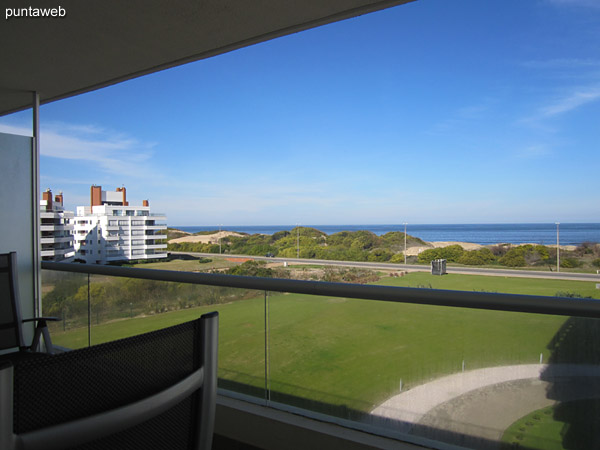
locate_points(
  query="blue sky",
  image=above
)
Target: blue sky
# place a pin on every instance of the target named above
(437, 111)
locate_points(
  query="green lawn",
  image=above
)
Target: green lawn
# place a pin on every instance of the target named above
(353, 353)
(506, 285)
(537, 429)
(568, 425)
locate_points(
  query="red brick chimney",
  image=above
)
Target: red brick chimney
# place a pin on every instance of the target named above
(96, 196)
(59, 199)
(124, 191)
(145, 203)
(47, 195)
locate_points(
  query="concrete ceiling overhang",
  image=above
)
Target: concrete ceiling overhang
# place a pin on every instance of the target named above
(102, 42)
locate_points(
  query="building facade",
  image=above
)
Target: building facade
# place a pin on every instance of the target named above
(111, 230)
(56, 228)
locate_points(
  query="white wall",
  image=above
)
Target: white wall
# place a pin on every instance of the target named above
(16, 219)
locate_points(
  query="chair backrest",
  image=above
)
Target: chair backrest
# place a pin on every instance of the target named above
(156, 390)
(11, 333)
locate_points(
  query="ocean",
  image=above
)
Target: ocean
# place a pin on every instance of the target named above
(484, 234)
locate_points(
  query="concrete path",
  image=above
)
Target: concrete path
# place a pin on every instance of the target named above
(412, 405)
(474, 408)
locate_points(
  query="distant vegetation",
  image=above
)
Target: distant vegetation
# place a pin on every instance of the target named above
(516, 256)
(367, 246)
(345, 246)
(66, 296)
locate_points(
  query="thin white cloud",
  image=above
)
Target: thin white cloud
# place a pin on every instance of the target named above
(112, 152)
(562, 63)
(571, 101)
(465, 116)
(533, 152)
(577, 3)
(11, 129)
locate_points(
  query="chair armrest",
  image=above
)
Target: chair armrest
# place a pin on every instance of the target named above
(51, 319)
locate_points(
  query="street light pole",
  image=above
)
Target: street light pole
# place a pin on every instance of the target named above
(405, 242)
(298, 240)
(557, 248)
(220, 225)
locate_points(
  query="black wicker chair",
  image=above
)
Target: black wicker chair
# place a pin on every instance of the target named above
(11, 328)
(152, 391)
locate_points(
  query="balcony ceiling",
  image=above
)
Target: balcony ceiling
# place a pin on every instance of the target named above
(99, 43)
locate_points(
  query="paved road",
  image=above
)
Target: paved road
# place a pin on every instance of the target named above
(421, 268)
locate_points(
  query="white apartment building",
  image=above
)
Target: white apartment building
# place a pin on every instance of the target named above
(111, 230)
(56, 228)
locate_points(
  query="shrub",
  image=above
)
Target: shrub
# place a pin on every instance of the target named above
(251, 269)
(570, 294)
(451, 253)
(596, 262)
(429, 255)
(380, 255)
(524, 255)
(353, 275)
(477, 257)
(500, 249)
(513, 258)
(586, 248)
(569, 263)
(398, 258)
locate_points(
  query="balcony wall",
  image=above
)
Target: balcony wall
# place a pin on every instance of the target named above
(17, 197)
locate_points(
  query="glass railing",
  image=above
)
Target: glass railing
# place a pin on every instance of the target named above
(473, 369)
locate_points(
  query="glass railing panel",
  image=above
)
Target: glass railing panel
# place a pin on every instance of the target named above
(498, 282)
(474, 378)
(64, 295)
(470, 377)
(121, 307)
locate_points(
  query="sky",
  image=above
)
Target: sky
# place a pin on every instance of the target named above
(436, 111)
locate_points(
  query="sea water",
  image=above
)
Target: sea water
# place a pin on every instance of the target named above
(485, 234)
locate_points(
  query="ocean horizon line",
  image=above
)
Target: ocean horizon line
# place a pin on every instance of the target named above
(568, 233)
(293, 225)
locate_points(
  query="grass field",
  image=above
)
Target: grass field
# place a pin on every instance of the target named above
(568, 425)
(537, 429)
(353, 353)
(506, 285)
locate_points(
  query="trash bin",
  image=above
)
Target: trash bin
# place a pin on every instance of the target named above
(438, 267)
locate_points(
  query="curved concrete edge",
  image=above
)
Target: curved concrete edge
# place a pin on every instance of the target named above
(412, 405)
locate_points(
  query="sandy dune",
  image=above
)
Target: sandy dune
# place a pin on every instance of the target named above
(413, 251)
(205, 238)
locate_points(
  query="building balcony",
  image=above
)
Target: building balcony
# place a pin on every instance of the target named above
(56, 239)
(158, 226)
(391, 367)
(155, 246)
(55, 227)
(155, 236)
(56, 252)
